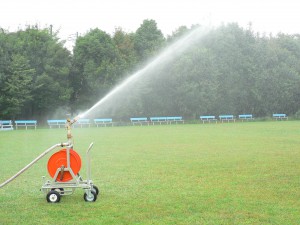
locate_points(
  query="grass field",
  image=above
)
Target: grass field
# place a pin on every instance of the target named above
(242, 173)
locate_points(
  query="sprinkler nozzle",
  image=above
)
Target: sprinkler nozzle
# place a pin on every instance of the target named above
(70, 121)
(76, 118)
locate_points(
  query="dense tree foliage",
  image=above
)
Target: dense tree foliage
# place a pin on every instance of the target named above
(34, 74)
(148, 39)
(95, 67)
(17, 86)
(227, 70)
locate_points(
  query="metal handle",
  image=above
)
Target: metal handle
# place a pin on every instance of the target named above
(89, 148)
(88, 159)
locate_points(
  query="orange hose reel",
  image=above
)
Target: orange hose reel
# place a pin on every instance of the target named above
(59, 160)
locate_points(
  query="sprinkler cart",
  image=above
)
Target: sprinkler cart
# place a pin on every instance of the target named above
(64, 166)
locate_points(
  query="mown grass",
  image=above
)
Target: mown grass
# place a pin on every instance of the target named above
(242, 173)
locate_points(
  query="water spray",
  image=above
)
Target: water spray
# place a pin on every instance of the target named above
(64, 166)
(167, 55)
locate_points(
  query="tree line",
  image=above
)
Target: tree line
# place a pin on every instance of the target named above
(229, 70)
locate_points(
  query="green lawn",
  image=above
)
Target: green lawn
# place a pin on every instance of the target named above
(242, 173)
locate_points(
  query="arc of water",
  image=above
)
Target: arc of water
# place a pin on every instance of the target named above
(178, 46)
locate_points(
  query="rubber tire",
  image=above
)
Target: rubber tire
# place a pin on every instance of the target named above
(96, 189)
(53, 197)
(92, 199)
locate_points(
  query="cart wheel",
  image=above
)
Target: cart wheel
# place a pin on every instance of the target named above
(59, 190)
(90, 198)
(53, 197)
(96, 189)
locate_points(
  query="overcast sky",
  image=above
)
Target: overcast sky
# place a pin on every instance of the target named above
(72, 16)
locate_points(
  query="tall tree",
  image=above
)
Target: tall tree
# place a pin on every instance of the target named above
(17, 87)
(95, 68)
(148, 40)
(47, 56)
(5, 60)
(124, 43)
